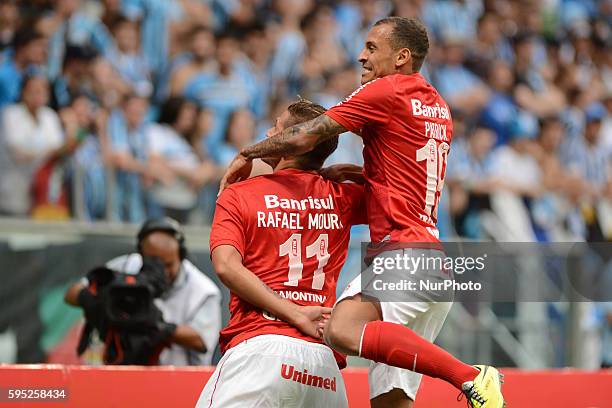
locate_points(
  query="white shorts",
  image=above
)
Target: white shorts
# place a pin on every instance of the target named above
(419, 313)
(275, 371)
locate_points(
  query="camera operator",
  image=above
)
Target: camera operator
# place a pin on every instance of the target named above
(189, 303)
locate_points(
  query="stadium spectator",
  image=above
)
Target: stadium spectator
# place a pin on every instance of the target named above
(111, 11)
(290, 46)
(463, 90)
(554, 210)
(519, 182)
(494, 61)
(228, 90)
(9, 22)
(126, 57)
(450, 18)
(470, 181)
(191, 305)
(501, 110)
(156, 18)
(585, 159)
(107, 85)
(488, 47)
(253, 64)
(324, 53)
(29, 54)
(91, 160)
(129, 157)
(198, 71)
(76, 76)
(66, 25)
(51, 200)
(355, 19)
(240, 133)
(533, 91)
(225, 92)
(170, 146)
(30, 133)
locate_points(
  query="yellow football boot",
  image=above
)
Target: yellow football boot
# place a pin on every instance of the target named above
(485, 390)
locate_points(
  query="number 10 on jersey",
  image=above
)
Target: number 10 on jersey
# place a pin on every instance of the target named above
(293, 249)
(435, 156)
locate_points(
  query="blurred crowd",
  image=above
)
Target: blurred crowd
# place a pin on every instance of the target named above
(123, 109)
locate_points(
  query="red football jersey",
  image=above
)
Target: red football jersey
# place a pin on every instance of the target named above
(292, 229)
(407, 129)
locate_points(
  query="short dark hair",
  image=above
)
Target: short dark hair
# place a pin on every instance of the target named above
(170, 110)
(303, 111)
(25, 37)
(408, 33)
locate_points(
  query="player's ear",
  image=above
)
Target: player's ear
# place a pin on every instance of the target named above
(403, 57)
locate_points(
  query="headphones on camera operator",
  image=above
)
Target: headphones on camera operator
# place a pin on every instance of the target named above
(120, 307)
(167, 225)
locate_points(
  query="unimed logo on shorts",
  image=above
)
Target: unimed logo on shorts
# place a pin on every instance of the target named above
(289, 372)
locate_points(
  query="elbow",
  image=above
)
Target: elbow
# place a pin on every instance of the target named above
(226, 262)
(72, 294)
(222, 269)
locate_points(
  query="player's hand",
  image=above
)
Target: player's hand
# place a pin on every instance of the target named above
(333, 173)
(311, 320)
(342, 172)
(239, 169)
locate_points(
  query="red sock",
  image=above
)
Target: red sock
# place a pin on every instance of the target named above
(398, 346)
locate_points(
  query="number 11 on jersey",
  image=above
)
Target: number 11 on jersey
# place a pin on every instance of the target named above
(293, 249)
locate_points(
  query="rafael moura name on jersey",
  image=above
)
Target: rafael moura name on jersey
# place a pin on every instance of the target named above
(293, 219)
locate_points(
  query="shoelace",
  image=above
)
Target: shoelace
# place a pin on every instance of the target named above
(472, 393)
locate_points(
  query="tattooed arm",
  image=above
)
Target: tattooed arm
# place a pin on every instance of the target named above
(293, 141)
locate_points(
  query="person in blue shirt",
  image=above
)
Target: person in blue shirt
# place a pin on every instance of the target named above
(198, 70)
(226, 91)
(461, 88)
(156, 17)
(470, 180)
(501, 110)
(584, 158)
(69, 25)
(126, 132)
(451, 17)
(88, 165)
(10, 19)
(127, 58)
(30, 53)
(75, 78)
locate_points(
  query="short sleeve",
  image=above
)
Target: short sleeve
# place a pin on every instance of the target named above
(117, 133)
(371, 104)
(155, 139)
(228, 227)
(207, 323)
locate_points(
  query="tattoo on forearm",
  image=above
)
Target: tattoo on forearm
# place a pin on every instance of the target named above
(284, 143)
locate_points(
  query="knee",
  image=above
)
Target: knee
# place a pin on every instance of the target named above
(341, 338)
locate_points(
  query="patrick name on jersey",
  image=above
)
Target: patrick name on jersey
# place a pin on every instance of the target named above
(297, 214)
